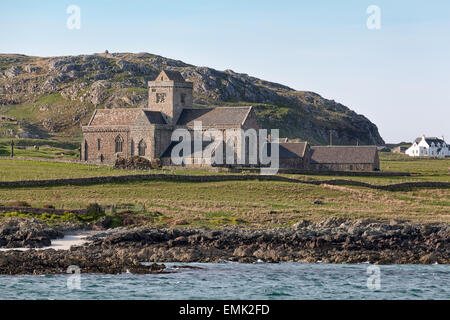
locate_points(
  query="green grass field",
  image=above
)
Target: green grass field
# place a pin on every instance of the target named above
(248, 203)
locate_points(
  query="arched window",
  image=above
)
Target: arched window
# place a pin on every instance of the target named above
(119, 144)
(141, 148)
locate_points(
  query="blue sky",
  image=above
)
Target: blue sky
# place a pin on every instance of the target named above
(398, 76)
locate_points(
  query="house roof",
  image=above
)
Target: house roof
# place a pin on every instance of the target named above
(172, 75)
(123, 117)
(343, 154)
(430, 140)
(214, 116)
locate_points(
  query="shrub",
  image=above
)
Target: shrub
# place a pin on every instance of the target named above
(20, 204)
(94, 209)
(156, 163)
(133, 163)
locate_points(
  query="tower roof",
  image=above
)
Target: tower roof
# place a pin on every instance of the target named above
(167, 75)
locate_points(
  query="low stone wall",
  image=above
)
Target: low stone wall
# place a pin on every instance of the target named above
(214, 178)
(42, 159)
(329, 173)
(97, 163)
(41, 210)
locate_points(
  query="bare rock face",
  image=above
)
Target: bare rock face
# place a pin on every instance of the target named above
(13, 71)
(97, 92)
(119, 80)
(49, 124)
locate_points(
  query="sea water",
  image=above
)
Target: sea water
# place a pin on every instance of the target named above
(242, 281)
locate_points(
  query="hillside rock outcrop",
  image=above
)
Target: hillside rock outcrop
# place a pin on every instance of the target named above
(73, 86)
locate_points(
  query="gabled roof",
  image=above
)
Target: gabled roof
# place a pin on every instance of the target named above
(214, 116)
(430, 140)
(170, 75)
(123, 117)
(289, 150)
(343, 154)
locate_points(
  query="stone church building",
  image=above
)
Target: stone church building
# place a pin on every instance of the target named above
(146, 132)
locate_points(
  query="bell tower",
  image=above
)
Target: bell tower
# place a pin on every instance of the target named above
(169, 94)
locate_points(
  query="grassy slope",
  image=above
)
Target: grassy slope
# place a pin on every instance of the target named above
(251, 203)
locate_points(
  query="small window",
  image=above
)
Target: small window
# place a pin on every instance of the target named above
(98, 144)
(183, 98)
(160, 97)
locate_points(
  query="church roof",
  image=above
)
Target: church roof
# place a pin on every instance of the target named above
(123, 117)
(343, 154)
(154, 117)
(214, 116)
(290, 150)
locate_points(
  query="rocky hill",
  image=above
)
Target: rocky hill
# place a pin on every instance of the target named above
(42, 97)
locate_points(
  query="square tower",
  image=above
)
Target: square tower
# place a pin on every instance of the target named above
(169, 94)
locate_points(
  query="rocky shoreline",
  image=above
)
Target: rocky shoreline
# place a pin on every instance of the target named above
(329, 241)
(31, 233)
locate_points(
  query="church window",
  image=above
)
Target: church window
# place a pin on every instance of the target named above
(98, 144)
(119, 144)
(183, 98)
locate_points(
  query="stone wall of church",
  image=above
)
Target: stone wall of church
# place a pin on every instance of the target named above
(162, 140)
(142, 142)
(251, 121)
(100, 144)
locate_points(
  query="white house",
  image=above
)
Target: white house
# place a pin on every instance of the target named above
(429, 147)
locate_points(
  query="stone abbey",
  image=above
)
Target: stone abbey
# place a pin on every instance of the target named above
(146, 132)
